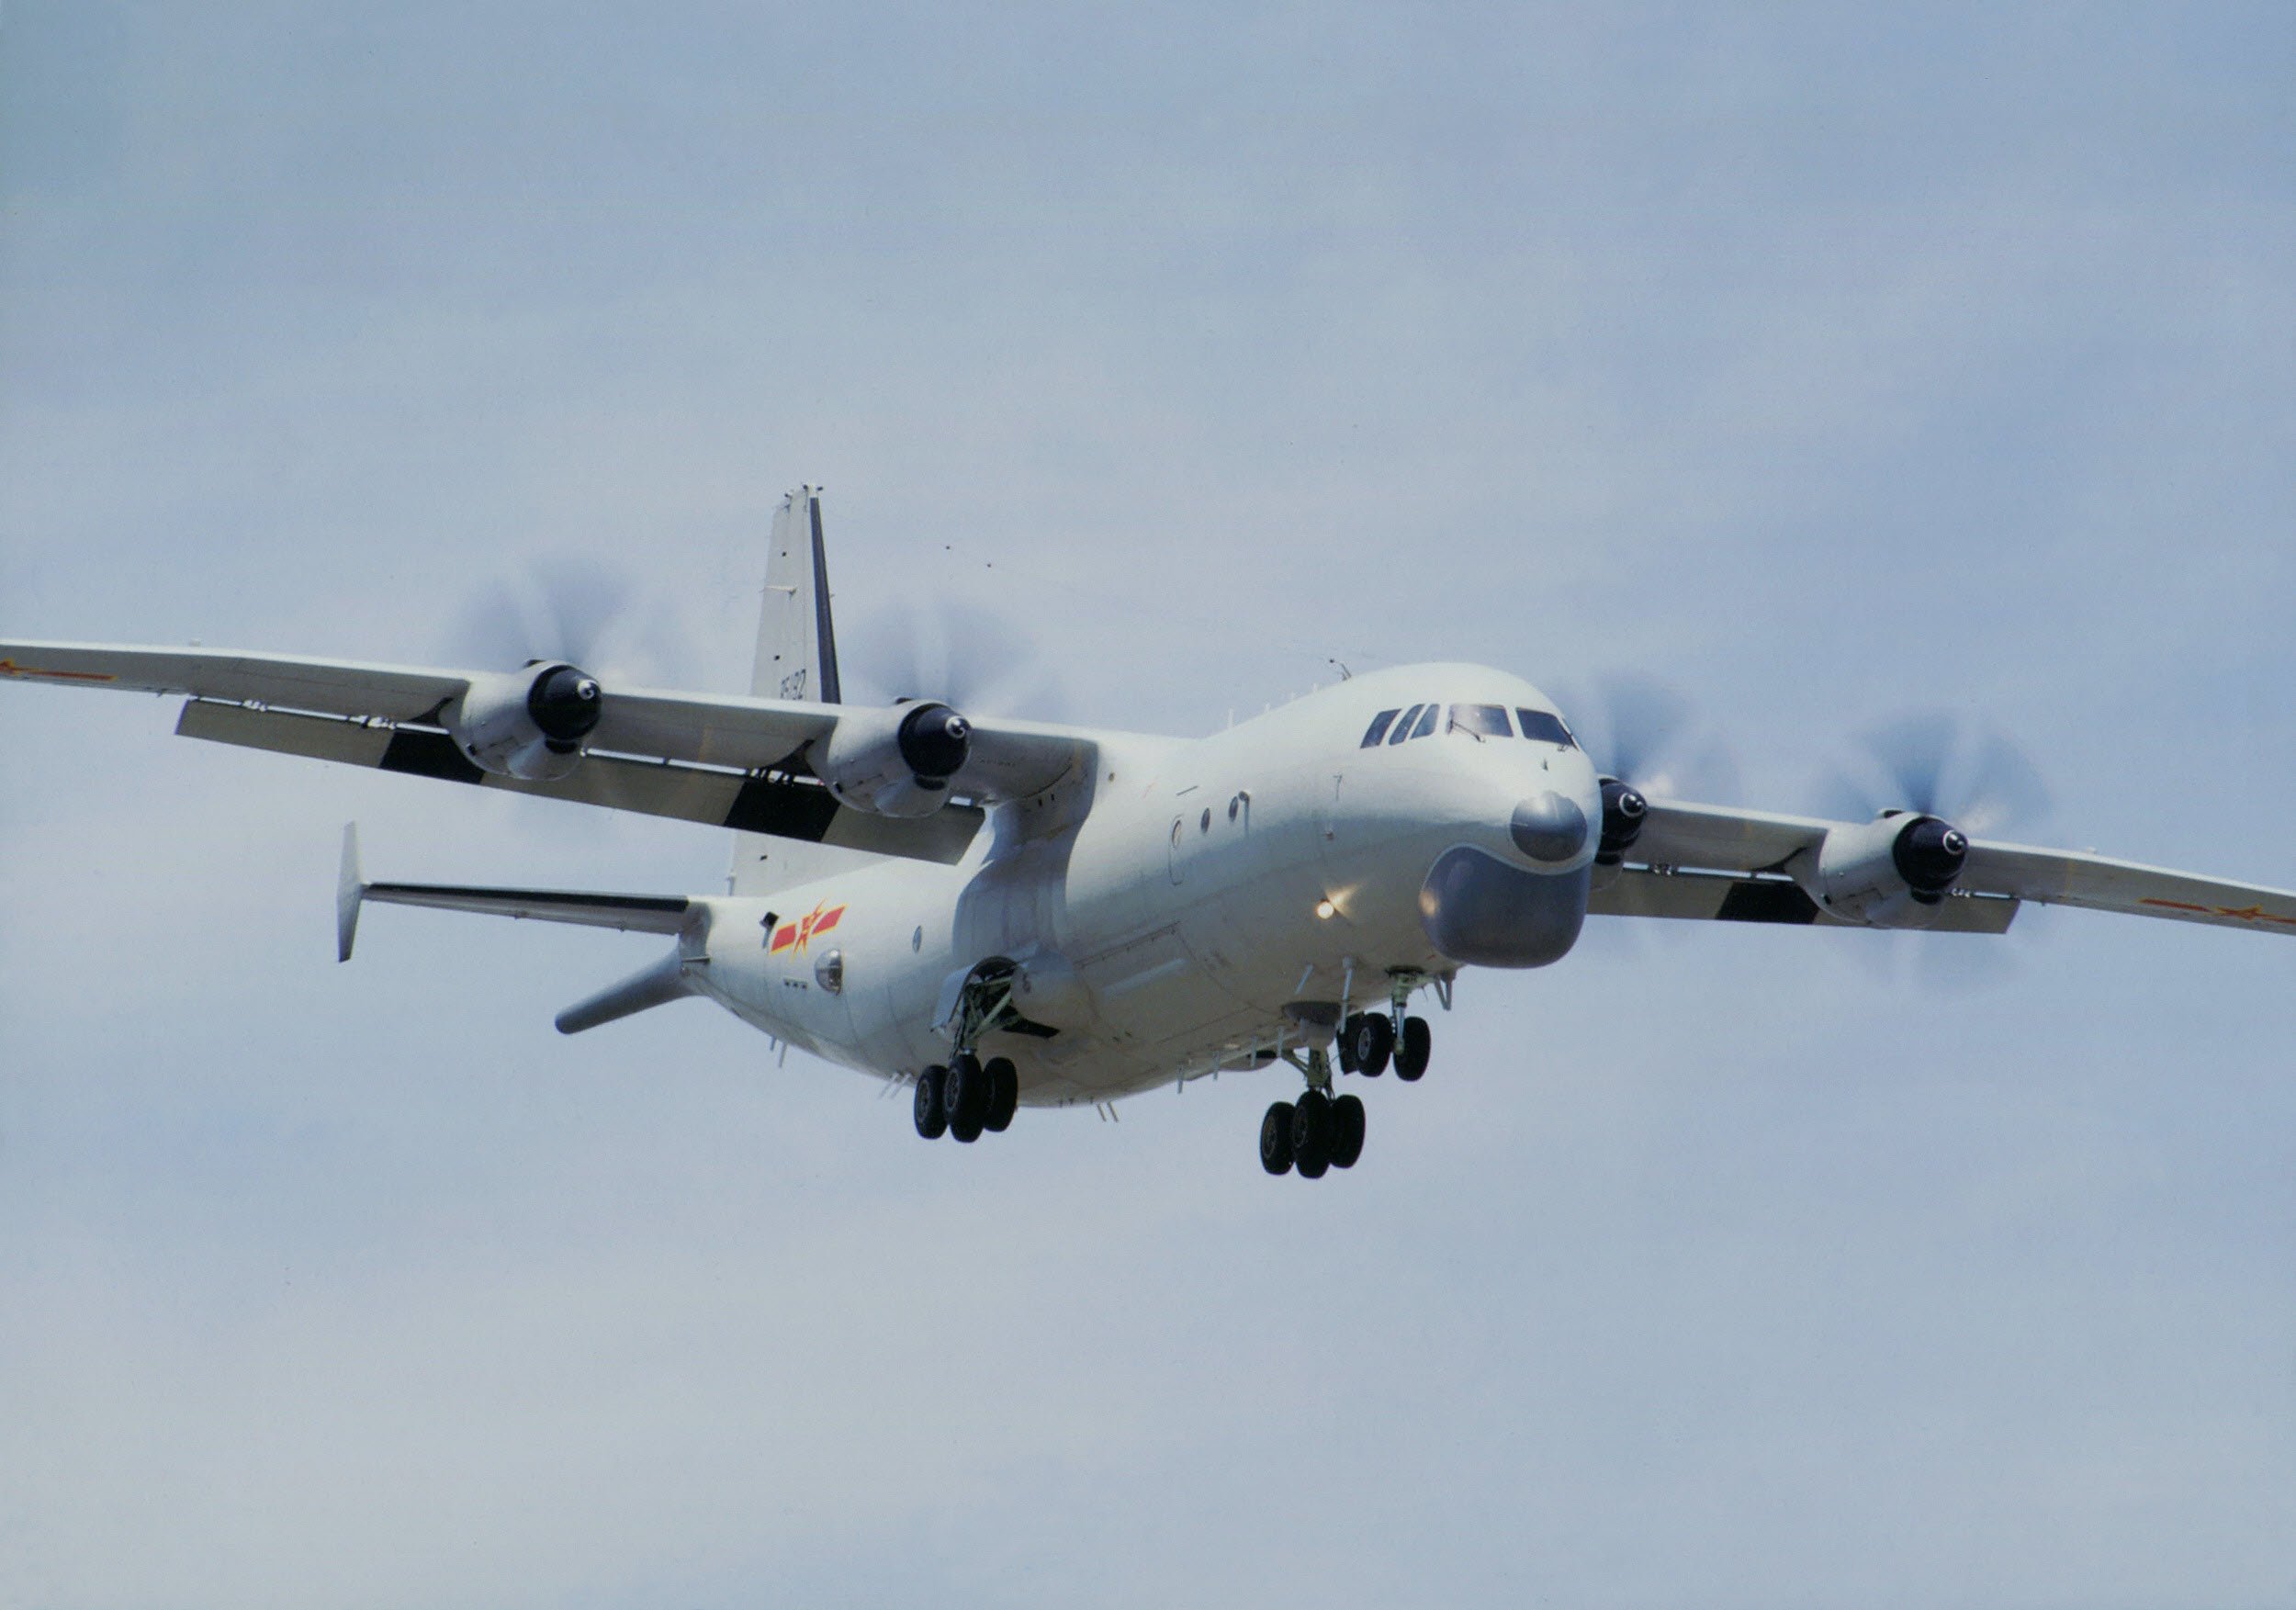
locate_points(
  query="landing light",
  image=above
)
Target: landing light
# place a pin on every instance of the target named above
(1326, 909)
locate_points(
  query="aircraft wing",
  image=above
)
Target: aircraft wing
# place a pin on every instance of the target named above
(734, 761)
(1724, 864)
(389, 693)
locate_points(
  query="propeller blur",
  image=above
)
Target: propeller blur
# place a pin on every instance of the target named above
(997, 913)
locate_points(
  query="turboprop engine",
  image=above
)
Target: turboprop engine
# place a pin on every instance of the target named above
(528, 724)
(1624, 809)
(1892, 872)
(895, 763)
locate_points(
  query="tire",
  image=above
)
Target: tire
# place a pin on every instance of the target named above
(1370, 1041)
(1276, 1139)
(1411, 1057)
(1347, 1131)
(933, 1118)
(1004, 1094)
(1345, 1051)
(965, 1096)
(1311, 1134)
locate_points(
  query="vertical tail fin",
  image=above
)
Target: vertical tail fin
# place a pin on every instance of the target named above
(796, 639)
(796, 659)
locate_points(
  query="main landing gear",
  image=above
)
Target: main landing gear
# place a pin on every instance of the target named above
(1320, 1131)
(968, 1095)
(966, 1098)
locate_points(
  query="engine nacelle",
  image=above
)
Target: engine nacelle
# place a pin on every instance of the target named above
(1894, 872)
(895, 763)
(527, 724)
(1624, 810)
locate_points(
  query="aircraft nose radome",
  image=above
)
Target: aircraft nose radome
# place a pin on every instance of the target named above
(1546, 827)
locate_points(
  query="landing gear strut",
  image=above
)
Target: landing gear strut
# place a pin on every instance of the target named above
(1316, 1132)
(970, 1097)
(1320, 1131)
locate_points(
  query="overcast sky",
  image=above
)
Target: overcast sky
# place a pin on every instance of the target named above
(1829, 362)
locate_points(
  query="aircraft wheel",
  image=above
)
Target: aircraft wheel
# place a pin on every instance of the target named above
(1369, 1040)
(1343, 1048)
(1411, 1057)
(1004, 1094)
(1276, 1139)
(1347, 1131)
(932, 1117)
(964, 1094)
(1311, 1134)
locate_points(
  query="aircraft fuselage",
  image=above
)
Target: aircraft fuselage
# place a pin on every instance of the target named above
(1191, 905)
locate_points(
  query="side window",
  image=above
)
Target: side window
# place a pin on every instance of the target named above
(1426, 722)
(1402, 727)
(1544, 728)
(1482, 720)
(1380, 724)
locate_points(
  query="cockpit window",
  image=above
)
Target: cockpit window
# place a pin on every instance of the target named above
(1426, 721)
(1483, 720)
(1402, 727)
(1541, 728)
(1377, 730)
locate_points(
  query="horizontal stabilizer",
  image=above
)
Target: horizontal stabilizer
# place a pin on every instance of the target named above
(631, 913)
(662, 983)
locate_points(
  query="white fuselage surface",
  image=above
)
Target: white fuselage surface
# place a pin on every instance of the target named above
(1167, 911)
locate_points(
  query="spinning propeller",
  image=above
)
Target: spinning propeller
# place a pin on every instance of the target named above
(1957, 779)
(1645, 740)
(970, 657)
(558, 622)
(568, 608)
(1937, 764)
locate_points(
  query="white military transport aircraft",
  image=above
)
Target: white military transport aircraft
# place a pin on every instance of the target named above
(1004, 913)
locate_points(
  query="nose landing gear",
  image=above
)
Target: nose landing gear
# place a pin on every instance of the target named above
(1369, 1040)
(1366, 1042)
(1411, 1055)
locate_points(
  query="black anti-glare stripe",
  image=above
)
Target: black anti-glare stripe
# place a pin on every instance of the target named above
(785, 810)
(824, 634)
(428, 754)
(668, 905)
(1766, 902)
